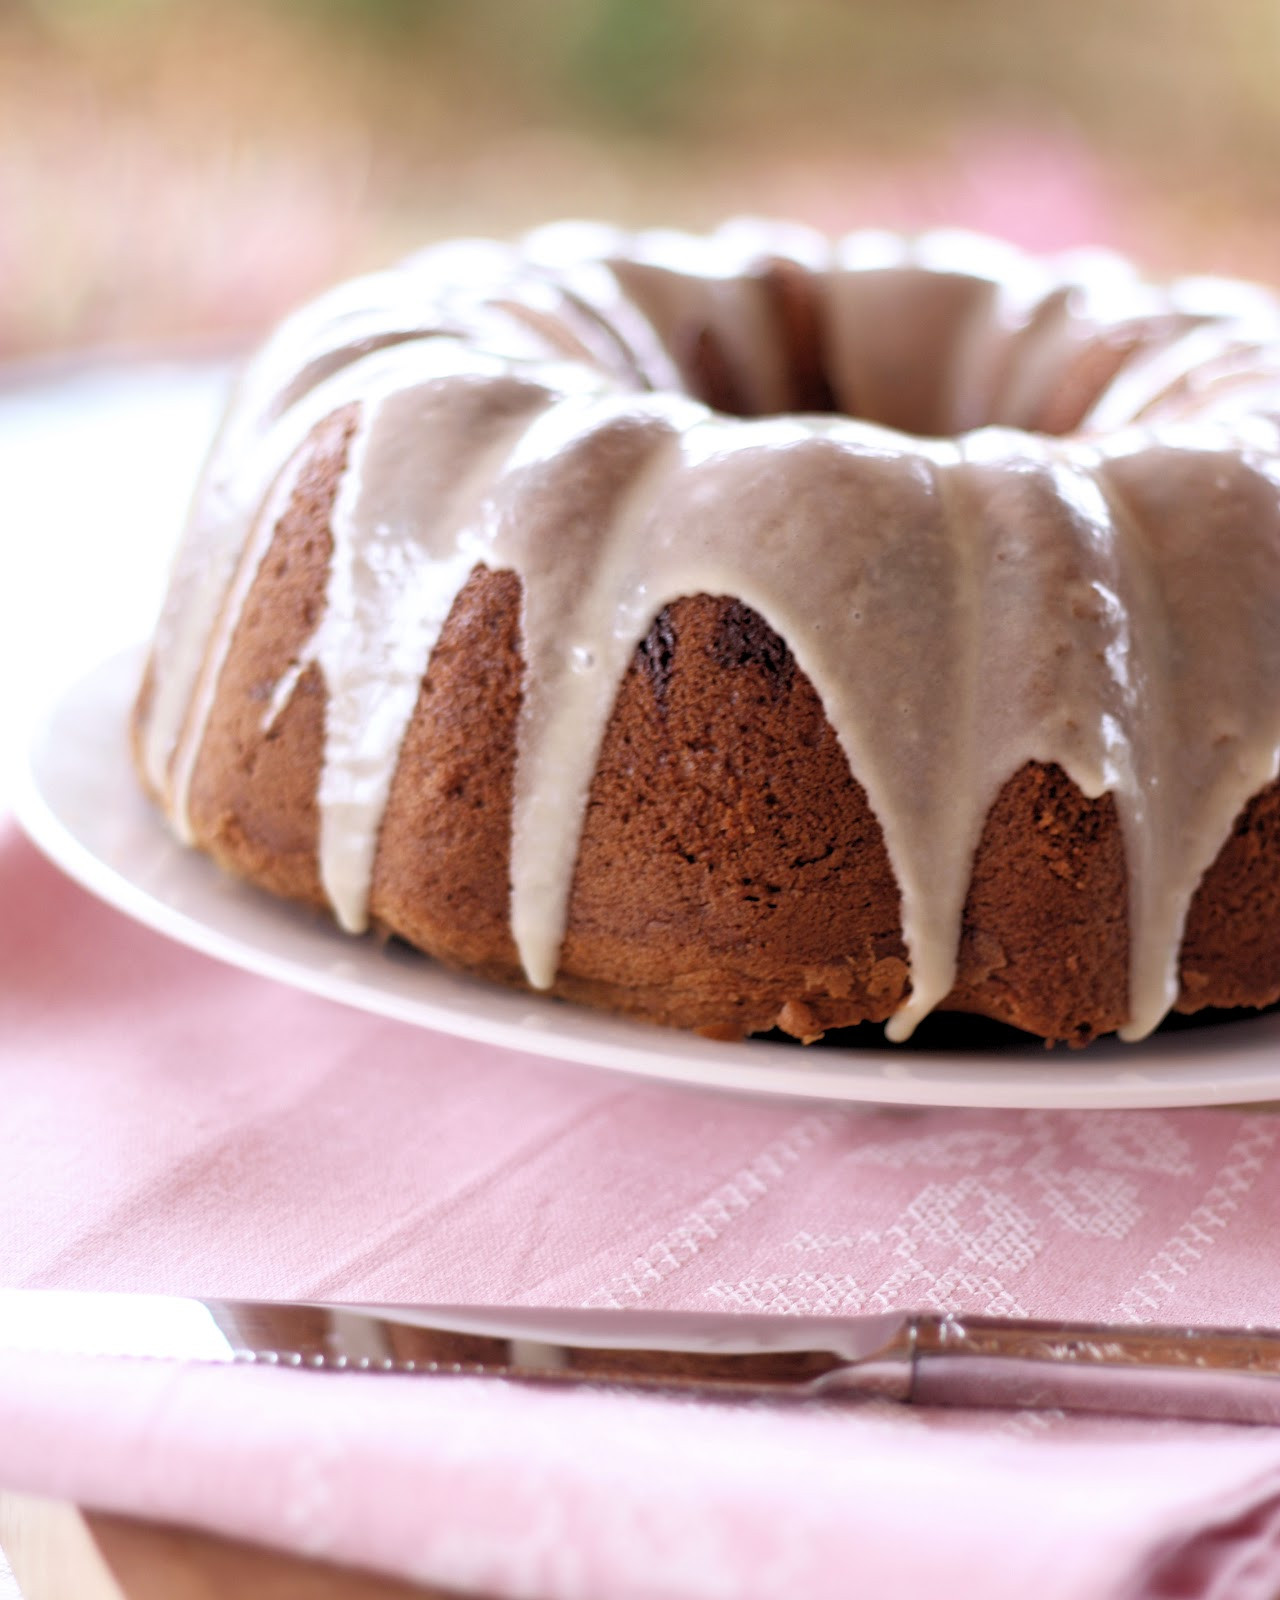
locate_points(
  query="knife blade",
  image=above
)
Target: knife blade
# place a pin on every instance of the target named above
(1224, 1374)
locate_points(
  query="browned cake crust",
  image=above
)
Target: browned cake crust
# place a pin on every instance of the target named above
(731, 876)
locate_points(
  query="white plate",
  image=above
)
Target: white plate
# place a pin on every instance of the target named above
(78, 799)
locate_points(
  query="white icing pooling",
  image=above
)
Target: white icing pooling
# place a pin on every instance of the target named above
(203, 670)
(420, 461)
(330, 353)
(268, 418)
(1204, 526)
(201, 617)
(961, 608)
(583, 481)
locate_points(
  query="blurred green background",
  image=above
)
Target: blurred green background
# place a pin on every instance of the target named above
(182, 170)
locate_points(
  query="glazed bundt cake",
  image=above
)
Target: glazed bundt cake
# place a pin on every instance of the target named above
(753, 631)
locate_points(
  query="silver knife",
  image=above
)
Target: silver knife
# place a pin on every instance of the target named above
(1223, 1374)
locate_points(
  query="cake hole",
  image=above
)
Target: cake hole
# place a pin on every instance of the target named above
(925, 352)
(657, 654)
(744, 639)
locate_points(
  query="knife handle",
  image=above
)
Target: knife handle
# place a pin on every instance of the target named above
(1199, 1373)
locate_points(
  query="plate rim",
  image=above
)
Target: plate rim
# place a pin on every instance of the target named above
(866, 1076)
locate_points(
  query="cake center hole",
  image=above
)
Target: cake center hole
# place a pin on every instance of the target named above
(923, 352)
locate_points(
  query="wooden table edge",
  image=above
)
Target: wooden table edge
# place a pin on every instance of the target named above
(59, 1551)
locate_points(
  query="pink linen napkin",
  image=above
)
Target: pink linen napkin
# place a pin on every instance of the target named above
(171, 1125)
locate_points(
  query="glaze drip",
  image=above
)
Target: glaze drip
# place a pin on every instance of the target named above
(965, 592)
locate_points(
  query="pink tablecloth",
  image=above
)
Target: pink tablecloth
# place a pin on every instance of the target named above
(170, 1125)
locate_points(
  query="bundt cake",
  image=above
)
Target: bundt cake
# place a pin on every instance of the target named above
(753, 630)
